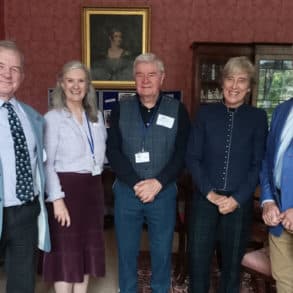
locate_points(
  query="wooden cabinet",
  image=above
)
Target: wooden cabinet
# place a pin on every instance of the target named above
(208, 62)
(274, 72)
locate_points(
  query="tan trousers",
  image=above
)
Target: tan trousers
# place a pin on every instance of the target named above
(281, 254)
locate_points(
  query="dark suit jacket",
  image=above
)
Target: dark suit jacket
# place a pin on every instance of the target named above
(268, 187)
(225, 150)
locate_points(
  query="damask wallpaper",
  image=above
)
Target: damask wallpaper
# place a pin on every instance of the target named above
(50, 34)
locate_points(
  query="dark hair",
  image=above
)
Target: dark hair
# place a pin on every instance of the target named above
(114, 30)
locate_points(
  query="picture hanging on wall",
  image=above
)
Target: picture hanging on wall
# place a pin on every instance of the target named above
(112, 38)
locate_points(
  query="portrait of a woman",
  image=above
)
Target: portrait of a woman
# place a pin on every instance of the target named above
(115, 63)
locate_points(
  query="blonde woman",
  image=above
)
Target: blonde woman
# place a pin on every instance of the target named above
(75, 144)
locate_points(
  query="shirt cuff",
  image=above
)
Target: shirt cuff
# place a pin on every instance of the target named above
(267, 200)
(52, 198)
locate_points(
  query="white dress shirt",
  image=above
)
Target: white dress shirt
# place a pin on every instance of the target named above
(68, 149)
(7, 155)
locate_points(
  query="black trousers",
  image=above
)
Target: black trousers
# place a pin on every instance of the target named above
(206, 227)
(18, 244)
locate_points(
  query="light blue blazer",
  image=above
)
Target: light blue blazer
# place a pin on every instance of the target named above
(37, 123)
(268, 188)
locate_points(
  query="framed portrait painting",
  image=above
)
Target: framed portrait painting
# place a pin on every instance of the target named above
(112, 38)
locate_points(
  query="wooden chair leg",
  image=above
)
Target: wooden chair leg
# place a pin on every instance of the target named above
(180, 271)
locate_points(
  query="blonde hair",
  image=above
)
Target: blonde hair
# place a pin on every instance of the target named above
(90, 100)
(237, 65)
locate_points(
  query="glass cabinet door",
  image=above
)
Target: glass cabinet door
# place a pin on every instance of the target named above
(210, 79)
(208, 62)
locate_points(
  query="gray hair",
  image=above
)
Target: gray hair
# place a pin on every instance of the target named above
(149, 58)
(90, 100)
(237, 65)
(11, 45)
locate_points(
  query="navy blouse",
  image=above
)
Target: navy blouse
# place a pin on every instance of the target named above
(225, 149)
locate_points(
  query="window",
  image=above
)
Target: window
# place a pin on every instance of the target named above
(274, 72)
(274, 65)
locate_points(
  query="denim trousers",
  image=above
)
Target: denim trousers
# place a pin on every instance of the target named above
(160, 217)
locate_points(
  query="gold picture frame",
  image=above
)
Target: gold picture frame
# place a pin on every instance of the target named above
(112, 38)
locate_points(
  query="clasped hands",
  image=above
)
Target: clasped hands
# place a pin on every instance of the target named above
(273, 217)
(225, 204)
(146, 190)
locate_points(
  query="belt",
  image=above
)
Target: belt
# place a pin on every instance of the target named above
(28, 203)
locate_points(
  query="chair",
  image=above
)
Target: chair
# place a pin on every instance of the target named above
(257, 264)
(184, 185)
(108, 178)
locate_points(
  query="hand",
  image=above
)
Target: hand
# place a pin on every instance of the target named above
(227, 205)
(215, 198)
(147, 189)
(287, 220)
(271, 214)
(61, 213)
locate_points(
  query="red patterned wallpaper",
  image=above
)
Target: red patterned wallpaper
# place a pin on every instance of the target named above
(2, 34)
(50, 33)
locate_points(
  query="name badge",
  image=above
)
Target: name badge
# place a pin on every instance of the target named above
(142, 157)
(165, 121)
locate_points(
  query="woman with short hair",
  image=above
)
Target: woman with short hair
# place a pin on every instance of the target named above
(224, 155)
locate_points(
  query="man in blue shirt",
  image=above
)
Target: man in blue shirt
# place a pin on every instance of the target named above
(23, 218)
(277, 195)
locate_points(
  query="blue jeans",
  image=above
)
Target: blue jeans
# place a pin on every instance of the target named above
(160, 216)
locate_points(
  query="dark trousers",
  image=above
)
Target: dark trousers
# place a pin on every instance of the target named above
(18, 244)
(160, 215)
(206, 227)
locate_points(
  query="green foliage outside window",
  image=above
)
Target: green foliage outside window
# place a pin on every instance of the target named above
(275, 83)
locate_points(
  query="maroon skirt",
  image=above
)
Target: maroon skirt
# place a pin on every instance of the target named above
(79, 249)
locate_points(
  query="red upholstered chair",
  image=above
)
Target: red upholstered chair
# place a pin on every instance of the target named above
(257, 264)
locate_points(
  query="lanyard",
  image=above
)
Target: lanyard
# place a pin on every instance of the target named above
(146, 126)
(90, 139)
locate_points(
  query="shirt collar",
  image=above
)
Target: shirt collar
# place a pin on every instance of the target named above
(12, 101)
(156, 105)
(232, 109)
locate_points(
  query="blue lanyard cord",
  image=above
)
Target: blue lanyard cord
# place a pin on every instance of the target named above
(90, 139)
(146, 126)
